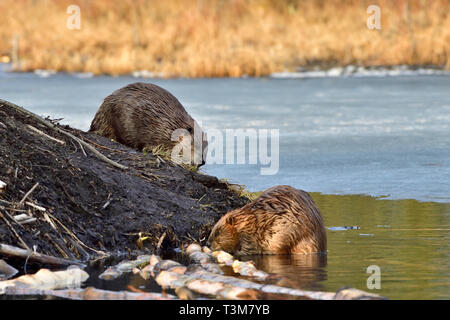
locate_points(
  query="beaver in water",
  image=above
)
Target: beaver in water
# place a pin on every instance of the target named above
(143, 116)
(282, 220)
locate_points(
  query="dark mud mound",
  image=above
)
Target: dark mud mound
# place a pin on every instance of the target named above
(92, 206)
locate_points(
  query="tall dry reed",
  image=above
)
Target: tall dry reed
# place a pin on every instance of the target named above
(207, 38)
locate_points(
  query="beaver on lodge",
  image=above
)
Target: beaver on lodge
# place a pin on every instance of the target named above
(143, 115)
(282, 220)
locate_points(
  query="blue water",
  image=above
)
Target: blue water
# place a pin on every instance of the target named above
(384, 136)
(380, 136)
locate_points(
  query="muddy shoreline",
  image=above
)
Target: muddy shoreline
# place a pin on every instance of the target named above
(91, 207)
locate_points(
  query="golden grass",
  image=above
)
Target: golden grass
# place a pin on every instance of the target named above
(206, 38)
(241, 190)
(165, 153)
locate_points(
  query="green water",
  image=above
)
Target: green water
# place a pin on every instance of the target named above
(408, 240)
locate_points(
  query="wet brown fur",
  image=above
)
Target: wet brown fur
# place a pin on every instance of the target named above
(142, 115)
(282, 220)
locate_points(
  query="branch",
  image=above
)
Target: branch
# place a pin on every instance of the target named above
(59, 130)
(34, 256)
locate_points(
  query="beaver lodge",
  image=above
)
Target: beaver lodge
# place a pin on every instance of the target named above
(68, 197)
(93, 206)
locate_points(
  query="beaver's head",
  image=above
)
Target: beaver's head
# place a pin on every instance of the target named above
(224, 236)
(190, 145)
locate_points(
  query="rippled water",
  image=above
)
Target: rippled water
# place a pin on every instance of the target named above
(387, 137)
(406, 239)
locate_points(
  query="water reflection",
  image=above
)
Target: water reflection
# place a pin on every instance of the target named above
(407, 239)
(296, 271)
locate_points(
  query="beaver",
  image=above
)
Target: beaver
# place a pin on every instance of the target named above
(144, 115)
(282, 220)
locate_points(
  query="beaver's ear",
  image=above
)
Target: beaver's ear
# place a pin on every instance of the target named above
(230, 220)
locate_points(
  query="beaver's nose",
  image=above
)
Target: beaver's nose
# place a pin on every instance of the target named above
(203, 162)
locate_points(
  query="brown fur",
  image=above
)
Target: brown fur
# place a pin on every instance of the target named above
(143, 115)
(282, 220)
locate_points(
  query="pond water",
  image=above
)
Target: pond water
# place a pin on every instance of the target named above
(374, 151)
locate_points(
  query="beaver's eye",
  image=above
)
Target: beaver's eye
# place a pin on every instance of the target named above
(190, 130)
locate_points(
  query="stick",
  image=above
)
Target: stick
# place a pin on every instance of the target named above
(45, 135)
(73, 235)
(125, 266)
(228, 287)
(28, 193)
(24, 218)
(243, 268)
(46, 279)
(13, 209)
(168, 274)
(35, 206)
(57, 129)
(14, 231)
(57, 246)
(204, 259)
(82, 149)
(11, 217)
(103, 147)
(90, 293)
(34, 256)
(161, 239)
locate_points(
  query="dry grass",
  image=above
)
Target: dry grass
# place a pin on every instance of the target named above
(241, 190)
(165, 153)
(200, 38)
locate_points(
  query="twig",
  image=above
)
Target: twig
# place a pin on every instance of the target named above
(13, 209)
(124, 266)
(24, 218)
(45, 135)
(82, 149)
(57, 129)
(160, 241)
(14, 231)
(57, 246)
(106, 205)
(79, 249)
(89, 293)
(73, 235)
(201, 198)
(50, 222)
(38, 257)
(10, 216)
(28, 193)
(35, 206)
(102, 147)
